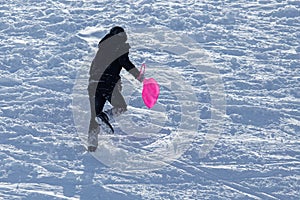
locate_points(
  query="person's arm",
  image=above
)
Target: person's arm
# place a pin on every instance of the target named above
(129, 66)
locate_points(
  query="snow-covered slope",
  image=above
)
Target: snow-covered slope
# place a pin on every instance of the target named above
(226, 125)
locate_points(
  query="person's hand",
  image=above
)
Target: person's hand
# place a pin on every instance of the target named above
(141, 77)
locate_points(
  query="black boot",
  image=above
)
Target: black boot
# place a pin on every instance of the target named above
(92, 149)
(103, 121)
(93, 137)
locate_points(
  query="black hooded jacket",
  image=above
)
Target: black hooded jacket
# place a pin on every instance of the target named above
(111, 57)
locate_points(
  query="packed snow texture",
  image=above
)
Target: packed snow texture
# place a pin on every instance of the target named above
(46, 50)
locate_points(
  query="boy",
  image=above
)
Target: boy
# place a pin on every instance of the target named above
(105, 82)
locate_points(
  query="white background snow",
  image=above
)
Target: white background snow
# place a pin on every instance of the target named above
(255, 45)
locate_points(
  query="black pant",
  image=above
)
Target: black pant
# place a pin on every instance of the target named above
(98, 98)
(115, 98)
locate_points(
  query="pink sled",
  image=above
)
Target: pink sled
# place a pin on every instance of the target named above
(150, 90)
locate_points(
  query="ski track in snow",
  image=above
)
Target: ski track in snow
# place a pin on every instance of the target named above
(256, 47)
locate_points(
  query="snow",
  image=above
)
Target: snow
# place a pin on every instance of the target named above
(226, 125)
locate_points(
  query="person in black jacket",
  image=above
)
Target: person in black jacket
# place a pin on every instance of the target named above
(105, 82)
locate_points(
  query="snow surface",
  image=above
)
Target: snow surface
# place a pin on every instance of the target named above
(226, 125)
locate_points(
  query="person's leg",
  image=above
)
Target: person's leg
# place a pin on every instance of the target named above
(93, 127)
(119, 106)
(117, 101)
(101, 117)
(97, 102)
